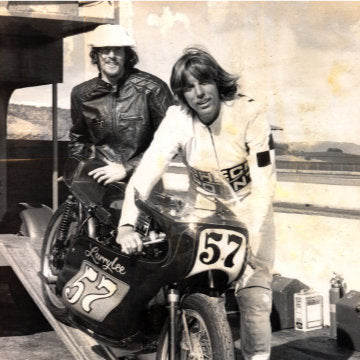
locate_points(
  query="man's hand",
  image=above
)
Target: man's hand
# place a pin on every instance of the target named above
(129, 240)
(109, 173)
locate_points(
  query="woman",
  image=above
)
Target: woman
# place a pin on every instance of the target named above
(218, 131)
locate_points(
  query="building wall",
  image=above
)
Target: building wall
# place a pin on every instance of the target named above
(310, 248)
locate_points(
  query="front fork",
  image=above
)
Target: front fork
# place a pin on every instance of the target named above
(173, 299)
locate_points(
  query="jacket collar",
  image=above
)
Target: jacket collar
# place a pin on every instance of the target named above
(121, 81)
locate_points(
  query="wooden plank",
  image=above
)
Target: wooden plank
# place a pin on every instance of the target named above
(26, 264)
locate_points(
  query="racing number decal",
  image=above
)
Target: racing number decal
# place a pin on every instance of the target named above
(220, 249)
(207, 258)
(90, 274)
(94, 292)
(79, 285)
(229, 261)
(106, 284)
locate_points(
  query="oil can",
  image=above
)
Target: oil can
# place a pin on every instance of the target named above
(308, 310)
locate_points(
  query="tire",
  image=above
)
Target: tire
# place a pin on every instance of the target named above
(209, 332)
(48, 270)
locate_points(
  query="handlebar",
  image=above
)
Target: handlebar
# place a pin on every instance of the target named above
(153, 238)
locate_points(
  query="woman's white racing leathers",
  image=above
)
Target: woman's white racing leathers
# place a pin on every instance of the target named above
(238, 148)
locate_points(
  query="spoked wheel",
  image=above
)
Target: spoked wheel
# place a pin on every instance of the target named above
(53, 252)
(204, 333)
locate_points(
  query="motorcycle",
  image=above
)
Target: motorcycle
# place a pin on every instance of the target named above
(169, 298)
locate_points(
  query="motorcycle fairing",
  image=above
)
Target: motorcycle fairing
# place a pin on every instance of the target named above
(221, 239)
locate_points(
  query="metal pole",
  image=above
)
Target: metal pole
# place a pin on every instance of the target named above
(173, 301)
(55, 173)
(5, 94)
(116, 12)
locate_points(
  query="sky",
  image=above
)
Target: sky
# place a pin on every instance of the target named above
(299, 58)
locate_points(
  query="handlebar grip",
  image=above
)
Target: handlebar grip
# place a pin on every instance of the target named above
(150, 240)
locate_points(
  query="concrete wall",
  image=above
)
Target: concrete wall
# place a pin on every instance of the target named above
(311, 248)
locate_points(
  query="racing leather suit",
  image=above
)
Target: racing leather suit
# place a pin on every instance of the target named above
(238, 144)
(119, 121)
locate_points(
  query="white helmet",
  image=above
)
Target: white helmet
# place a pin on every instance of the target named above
(110, 35)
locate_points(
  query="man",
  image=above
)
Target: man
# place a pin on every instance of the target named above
(117, 112)
(227, 147)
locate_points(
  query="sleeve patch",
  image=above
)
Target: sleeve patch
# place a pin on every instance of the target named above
(263, 158)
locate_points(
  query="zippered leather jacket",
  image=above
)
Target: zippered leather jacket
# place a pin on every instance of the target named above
(119, 122)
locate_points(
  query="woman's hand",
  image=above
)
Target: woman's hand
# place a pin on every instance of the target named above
(129, 240)
(109, 173)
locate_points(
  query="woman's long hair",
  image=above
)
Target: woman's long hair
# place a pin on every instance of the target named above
(202, 66)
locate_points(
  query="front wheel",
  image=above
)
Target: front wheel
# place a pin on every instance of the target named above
(204, 332)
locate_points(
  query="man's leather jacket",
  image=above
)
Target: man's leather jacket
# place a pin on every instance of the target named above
(119, 122)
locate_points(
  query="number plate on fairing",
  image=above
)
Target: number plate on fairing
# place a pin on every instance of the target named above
(220, 249)
(93, 292)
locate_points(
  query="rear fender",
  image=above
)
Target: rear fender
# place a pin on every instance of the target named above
(34, 220)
